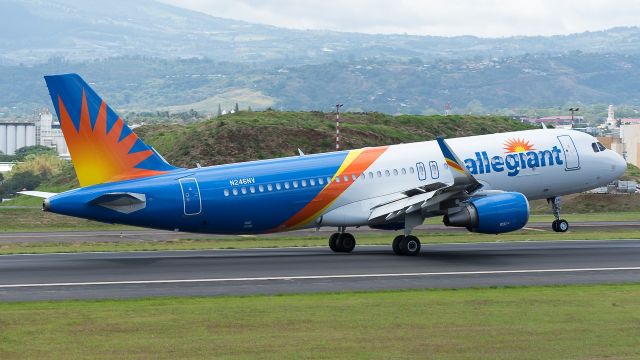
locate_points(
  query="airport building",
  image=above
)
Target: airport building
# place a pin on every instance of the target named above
(15, 135)
(44, 130)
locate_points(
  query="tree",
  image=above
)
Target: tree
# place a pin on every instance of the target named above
(23, 152)
(219, 110)
(236, 108)
(249, 109)
(20, 181)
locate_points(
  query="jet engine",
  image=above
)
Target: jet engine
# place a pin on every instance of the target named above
(493, 214)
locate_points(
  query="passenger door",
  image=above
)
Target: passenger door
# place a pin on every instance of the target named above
(571, 157)
(191, 196)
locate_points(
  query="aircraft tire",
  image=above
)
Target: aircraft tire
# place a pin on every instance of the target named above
(346, 243)
(333, 242)
(396, 244)
(562, 225)
(554, 225)
(410, 245)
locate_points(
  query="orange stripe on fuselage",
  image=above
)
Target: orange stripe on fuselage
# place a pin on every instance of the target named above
(354, 166)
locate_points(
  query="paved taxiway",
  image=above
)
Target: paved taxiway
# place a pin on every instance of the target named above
(222, 272)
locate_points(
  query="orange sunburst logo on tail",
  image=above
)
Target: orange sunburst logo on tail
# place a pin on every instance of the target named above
(517, 145)
(100, 156)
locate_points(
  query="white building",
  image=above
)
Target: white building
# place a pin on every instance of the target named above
(50, 134)
(16, 134)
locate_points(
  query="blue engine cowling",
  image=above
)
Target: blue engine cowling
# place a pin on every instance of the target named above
(492, 214)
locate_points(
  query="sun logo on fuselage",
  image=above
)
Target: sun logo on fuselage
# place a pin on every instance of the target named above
(517, 145)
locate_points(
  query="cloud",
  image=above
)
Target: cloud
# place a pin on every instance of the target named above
(485, 18)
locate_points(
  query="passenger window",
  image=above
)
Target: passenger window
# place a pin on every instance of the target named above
(295, 183)
(252, 189)
(411, 170)
(303, 183)
(261, 188)
(379, 173)
(362, 176)
(278, 186)
(353, 177)
(328, 180)
(226, 192)
(601, 147)
(346, 178)
(395, 172)
(370, 175)
(286, 185)
(595, 148)
(234, 191)
(321, 181)
(269, 187)
(387, 173)
(243, 190)
(337, 179)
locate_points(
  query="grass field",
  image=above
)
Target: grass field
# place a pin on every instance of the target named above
(568, 322)
(29, 217)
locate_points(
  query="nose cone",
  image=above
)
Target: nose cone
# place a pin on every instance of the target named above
(618, 164)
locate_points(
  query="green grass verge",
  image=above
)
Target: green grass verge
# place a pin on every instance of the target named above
(33, 219)
(564, 322)
(247, 242)
(29, 218)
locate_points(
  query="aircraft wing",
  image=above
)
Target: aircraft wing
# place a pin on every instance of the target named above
(432, 195)
(40, 194)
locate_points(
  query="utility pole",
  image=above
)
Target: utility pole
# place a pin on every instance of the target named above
(572, 111)
(338, 106)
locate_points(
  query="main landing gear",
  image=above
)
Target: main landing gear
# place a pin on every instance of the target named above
(342, 242)
(402, 245)
(406, 245)
(558, 225)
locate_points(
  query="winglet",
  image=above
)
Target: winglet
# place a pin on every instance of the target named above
(460, 173)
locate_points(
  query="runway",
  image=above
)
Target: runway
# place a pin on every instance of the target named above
(294, 270)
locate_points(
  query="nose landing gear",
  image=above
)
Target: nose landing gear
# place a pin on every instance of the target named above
(558, 225)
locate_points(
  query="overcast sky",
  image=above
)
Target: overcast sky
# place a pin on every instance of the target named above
(485, 18)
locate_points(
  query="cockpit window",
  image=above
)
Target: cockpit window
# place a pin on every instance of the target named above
(595, 147)
(601, 147)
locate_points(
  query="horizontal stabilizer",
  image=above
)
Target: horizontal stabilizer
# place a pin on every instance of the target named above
(123, 202)
(40, 194)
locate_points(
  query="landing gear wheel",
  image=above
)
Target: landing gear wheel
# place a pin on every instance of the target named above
(333, 242)
(396, 244)
(562, 225)
(346, 242)
(410, 245)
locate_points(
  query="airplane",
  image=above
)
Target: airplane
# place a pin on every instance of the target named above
(482, 183)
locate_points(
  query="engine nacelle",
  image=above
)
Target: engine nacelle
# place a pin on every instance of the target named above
(493, 214)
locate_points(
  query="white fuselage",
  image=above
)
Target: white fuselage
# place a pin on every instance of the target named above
(540, 164)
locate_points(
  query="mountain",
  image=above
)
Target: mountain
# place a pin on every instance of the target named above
(389, 86)
(32, 31)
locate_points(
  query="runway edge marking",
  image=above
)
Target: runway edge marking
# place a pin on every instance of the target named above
(313, 277)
